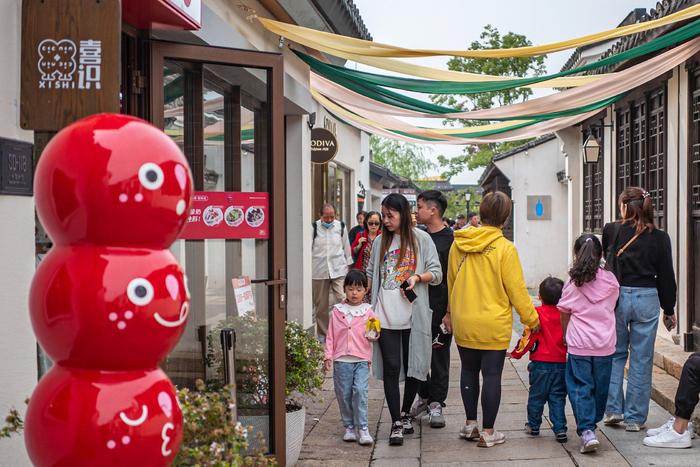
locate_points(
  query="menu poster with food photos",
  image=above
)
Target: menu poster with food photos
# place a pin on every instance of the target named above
(227, 214)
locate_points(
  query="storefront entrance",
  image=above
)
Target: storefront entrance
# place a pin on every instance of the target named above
(224, 108)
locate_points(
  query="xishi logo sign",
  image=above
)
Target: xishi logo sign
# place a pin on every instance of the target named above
(58, 64)
(70, 61)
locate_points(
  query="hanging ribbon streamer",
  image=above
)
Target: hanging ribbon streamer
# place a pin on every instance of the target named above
(376, 49)
(334, 72)
(551, 105)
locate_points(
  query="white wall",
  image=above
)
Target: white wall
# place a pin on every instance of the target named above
(542, 244)
(18, 367)
(299, 233)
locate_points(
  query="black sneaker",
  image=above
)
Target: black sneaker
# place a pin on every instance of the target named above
(561, 437)
(396, 436)
(407, 422)
(532, 431)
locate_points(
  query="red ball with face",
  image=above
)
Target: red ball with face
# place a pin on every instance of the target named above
(106, 308)
(89, 418)
(115, 180)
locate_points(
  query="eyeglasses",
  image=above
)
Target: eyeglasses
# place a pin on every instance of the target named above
(373, 223)
(436, 342)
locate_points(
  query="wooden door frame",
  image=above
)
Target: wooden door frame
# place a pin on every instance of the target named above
(273, 62)
(691, 333)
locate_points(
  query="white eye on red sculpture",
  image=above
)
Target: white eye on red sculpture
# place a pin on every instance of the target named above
(151, 176)
(139, 291)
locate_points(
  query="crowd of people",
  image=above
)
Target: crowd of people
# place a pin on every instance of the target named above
(405, 284)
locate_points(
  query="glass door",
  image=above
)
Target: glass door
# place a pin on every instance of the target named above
(223, 107)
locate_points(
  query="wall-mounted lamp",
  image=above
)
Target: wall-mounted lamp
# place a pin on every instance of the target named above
(591, 150)
(312, 120)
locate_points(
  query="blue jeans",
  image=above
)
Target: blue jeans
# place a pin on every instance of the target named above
(547, 385)
(351, 381)
(637, 317)
(587, 382)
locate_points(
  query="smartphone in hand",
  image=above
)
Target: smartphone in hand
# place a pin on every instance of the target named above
(410, 294)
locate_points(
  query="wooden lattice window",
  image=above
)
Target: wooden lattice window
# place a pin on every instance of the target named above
(641, 148)
(694, 156)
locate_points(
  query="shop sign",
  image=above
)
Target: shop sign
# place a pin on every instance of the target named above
(227, 214)
(243, 292)
(324, 145)
(70, 65)
(163, 14)
(16, 171)
(539, 208)
(190, 8)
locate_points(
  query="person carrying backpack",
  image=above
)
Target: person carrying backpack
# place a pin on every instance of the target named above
(330, 263)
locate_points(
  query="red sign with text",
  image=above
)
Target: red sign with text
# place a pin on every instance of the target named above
(227, 214)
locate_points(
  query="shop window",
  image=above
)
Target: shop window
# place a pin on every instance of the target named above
(641, 148)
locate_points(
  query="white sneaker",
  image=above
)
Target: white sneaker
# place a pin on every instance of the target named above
(669, 439)
(365, 437)
(667, 426)
(469, 431)
(350, 434)
(486, 440)
(613, 418)
(419, 406)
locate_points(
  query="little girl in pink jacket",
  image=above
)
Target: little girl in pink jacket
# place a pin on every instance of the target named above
(349, 351)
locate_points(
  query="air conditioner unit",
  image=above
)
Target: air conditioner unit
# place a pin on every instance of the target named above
(562, 177)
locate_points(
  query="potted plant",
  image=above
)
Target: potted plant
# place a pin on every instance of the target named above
(304, 374)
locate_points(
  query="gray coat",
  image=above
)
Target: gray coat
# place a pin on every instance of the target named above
(420, 345)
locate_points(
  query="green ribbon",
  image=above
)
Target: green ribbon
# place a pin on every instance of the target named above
(374, 85)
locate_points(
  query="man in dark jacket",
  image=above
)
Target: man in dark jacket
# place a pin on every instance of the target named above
(433, 392)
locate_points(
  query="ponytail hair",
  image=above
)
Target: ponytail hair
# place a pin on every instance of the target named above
(587, 255)
(640, 208)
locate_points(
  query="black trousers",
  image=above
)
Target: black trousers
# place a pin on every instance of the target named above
(394, 346)
(435, 387)
(490, 364)
(688, 387)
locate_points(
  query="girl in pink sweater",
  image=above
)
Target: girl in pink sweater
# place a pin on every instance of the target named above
(349, 351)
(587, 309)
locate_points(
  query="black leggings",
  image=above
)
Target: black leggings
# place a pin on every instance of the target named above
(393, 343)
(490, 364)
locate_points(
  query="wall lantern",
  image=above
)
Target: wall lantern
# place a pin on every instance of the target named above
(591, 150)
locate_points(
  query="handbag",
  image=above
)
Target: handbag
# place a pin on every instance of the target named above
(612, 262)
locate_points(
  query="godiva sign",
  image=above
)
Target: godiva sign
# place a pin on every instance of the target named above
(324, 145)
(70, 61)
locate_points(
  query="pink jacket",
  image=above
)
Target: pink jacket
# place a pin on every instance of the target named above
(591, 331)
(348, 339)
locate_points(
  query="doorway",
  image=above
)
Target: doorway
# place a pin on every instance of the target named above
(224, 108)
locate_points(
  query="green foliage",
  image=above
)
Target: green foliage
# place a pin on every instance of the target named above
(304, 361)
(457, 204)
(481, 155)
(13, 424)
(209, 435)
(405, 159)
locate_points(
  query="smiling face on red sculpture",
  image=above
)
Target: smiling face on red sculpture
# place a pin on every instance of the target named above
(109, 308)
(113, 180)
(112, 418)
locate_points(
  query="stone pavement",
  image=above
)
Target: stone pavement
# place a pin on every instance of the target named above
(323, 445)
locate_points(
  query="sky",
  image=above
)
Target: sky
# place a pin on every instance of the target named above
(454, 24)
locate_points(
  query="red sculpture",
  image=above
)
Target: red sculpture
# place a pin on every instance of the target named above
(109, 301)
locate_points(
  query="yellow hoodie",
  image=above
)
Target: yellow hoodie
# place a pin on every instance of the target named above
(485, 289)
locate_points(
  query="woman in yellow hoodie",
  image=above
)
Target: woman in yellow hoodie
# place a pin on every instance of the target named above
(485, 281)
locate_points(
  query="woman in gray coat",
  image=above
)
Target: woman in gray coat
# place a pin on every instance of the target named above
(405, 254)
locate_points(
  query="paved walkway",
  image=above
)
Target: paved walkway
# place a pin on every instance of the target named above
(323, 445)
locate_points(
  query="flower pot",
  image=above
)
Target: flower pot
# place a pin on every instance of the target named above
(295, 434)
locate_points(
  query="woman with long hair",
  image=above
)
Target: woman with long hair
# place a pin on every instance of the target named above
(643, 264)
(485, 282)
(402, 265)
(362, 243)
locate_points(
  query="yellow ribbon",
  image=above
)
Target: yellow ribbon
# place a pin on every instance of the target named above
(352, 45)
